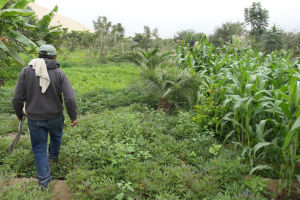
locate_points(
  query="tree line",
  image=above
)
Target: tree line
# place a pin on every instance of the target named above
(22, 32)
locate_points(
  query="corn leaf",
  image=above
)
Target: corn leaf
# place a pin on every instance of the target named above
(298, 178)
(288, 138)
(296, 124)
(228, 135)
(265, 99)
(248, 88)
(285, 109)
(259, 167)
(284, 95)
(260, 145)
(276, 105)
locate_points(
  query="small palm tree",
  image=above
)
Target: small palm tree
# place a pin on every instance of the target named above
(149, 59)
(172, 86)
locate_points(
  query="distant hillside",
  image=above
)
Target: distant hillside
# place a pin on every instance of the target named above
(59, 19)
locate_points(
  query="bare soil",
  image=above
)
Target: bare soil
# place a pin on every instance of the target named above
(57, 187)
(273, 190)
(10, 135)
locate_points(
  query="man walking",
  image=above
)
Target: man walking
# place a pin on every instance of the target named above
(41, 85)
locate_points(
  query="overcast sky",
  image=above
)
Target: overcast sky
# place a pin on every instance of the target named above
(170, 16)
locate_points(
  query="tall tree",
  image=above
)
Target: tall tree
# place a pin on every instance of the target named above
(227, 30)
(118, 33)
(155, 33)
(102, 31)
(258, 18)
(145, 40)
(292, 39)
(273, 39)
(188, 36)
(107, 35)
(147, 34)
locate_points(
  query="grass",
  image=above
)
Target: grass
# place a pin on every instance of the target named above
(96, 87)
(86, 79)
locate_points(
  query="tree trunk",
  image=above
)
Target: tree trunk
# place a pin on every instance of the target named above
(164, 105)
(101, 48)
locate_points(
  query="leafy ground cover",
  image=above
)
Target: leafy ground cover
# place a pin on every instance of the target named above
(138, 153)
(129, 152)
(96, 87)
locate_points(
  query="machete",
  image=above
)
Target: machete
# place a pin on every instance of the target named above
(16, 140)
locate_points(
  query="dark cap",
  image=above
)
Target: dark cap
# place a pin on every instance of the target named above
(48, 50)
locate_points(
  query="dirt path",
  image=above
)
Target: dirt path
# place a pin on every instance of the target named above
(57, 187)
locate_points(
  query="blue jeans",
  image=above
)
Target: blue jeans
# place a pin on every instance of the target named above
(39, 137)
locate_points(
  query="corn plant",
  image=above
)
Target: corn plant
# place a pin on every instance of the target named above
(262, 94)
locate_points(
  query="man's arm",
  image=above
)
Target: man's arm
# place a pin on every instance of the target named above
(69, 99)
(19, 96)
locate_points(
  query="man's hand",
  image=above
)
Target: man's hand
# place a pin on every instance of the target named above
(24, 115)
(74, 123)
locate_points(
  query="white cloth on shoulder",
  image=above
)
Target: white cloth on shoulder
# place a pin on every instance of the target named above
(39, 65)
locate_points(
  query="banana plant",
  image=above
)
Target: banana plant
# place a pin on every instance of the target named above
(13, 41)
(46, 34)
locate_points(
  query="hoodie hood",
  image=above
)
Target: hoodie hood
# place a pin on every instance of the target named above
(51, 64)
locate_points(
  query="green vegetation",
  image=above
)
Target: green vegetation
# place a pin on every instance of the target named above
(258, 18)
(131, 151)
(215, 118)
(257, 98)
(20, 32)
(10, 38)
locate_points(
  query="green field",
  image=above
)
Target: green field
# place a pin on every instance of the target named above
(199, 116)
(241, 133)
(124, 148)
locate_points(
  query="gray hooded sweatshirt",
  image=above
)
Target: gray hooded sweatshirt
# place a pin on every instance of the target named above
(48, 105)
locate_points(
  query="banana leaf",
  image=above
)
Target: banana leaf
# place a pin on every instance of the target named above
(22, 3)
(21, 38)
(16, 56)
(3, 46)
(45, 21)
(14, 12)
(3, 55)
(2, 3)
